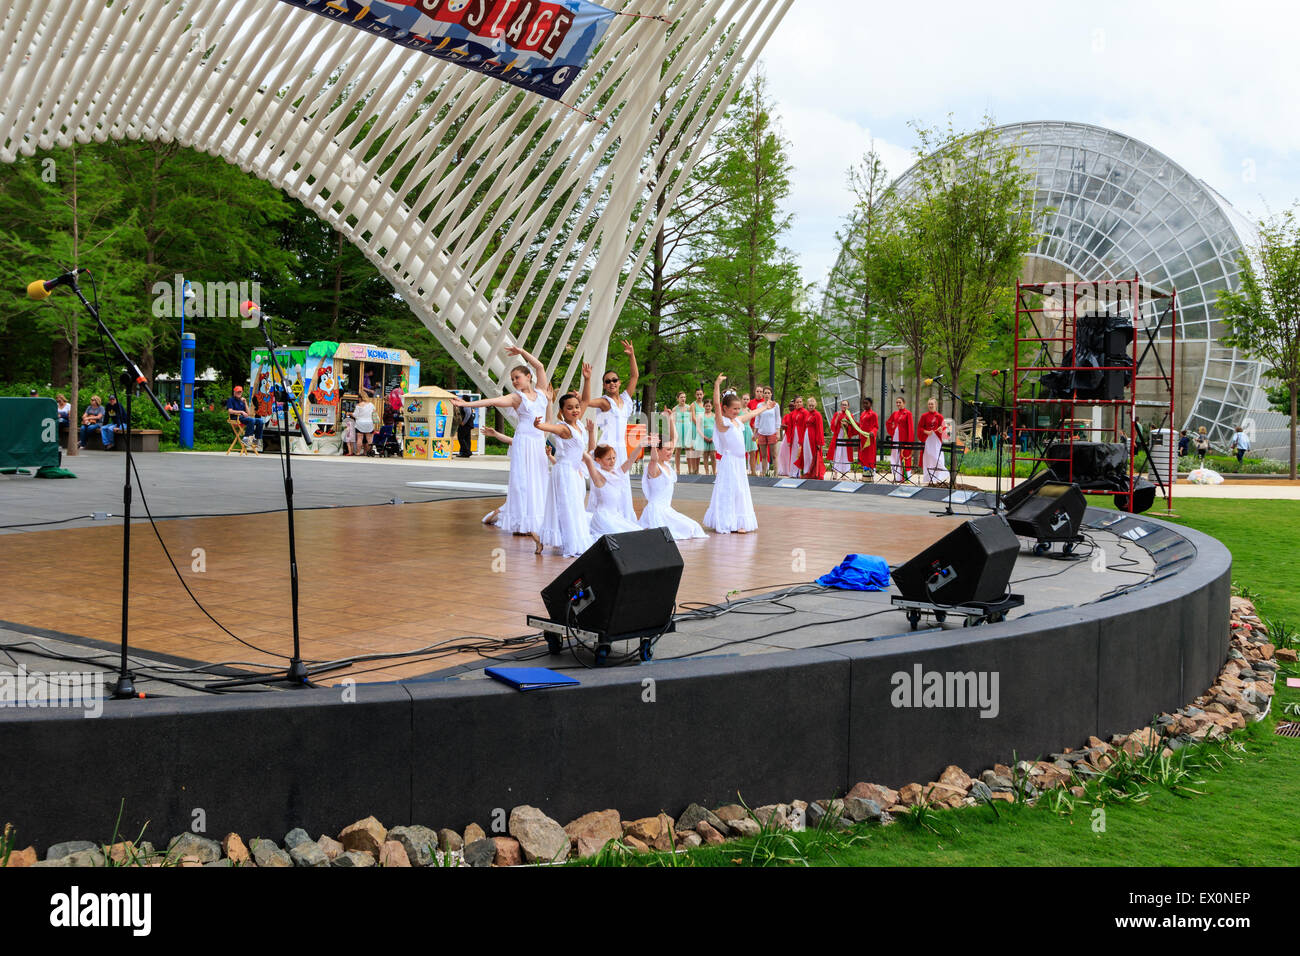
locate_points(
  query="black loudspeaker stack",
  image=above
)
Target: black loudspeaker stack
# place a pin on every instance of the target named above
(623, 585)
(972, 563)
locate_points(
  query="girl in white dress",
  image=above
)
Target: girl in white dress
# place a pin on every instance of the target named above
(611, 489)
(730, 507)
(525, 505)
(566, 525)
(658, 483)
(613, 409)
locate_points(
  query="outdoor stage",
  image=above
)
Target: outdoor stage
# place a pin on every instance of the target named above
(778, 698)
(393, 579)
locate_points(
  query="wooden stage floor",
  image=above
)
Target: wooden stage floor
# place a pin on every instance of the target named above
(384, 578)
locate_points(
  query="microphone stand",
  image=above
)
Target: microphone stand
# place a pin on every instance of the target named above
(124, 687)
(298, 674)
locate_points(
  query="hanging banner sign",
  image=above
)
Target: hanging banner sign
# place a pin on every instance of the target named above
(539, 45)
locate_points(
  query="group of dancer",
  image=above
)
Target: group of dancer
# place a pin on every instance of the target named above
(931, 430)
(549, 502)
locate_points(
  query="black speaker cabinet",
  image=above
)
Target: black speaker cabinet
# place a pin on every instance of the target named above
(1144, 496)
(624, 584)
(971, 563)
(1053, 512)
(1021, 493)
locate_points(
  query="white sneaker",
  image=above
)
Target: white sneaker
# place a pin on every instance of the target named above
(247, 442)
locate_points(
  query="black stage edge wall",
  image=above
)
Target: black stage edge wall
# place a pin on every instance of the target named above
(773, 727)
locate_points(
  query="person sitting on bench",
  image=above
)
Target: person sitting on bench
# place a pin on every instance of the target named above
(236, 406)
(91, 419)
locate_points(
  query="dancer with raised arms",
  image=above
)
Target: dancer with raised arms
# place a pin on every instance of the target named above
(566, 526)
(730, 508)
(658, 483)
(525, 506)
(613, 409)
(611, 489)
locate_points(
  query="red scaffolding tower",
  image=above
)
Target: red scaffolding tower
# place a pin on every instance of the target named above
(1046, 341)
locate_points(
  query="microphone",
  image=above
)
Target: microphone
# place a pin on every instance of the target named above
(41, 288)
(931, 381)
(251, 310)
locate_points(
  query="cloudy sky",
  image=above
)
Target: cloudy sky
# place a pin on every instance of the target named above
(1213, 85)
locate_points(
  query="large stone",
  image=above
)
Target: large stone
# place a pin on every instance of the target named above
(995, 781)
(366, 835)
(353, 858)
(689, 840)
(981, 791)
(646, 829)
(86, 858)
(331, 847)
(881, 796)
(1285, 654)
(732, 811)
(540, 837)
(60, 861)
(473, 833)
(449, 840)
(480, 853)
(859, 809)
(591, 831)
(59, 850)
(632, 843)
(773, 816)
(26, 857)
(294, 837)
(392, 853)
(940, 794)
(233, 847)
(953, 776)
(911, 794)
(191, 844)
(744, 827)
(693, 814)
(509, 853)
(710, 834)
(307, 853)
(266, 853)
(418, 842)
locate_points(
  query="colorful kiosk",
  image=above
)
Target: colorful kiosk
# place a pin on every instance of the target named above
(326, 378)
(429, 414)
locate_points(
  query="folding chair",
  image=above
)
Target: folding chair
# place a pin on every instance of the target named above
(237, 427)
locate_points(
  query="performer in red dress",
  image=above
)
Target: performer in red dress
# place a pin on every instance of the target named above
(899, 428)
(785, 453)
(816, 426)
(931, 426)
(869, 428)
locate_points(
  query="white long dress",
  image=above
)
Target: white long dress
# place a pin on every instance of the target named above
(567, 526)
(896, 471)
(612, 430)
(659, 512)
(936, 472)
(525, 507)
(610, 500)
(730, 508)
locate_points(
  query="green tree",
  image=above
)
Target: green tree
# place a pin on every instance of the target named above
(749, 282)
(970, 217)
(1263, 315)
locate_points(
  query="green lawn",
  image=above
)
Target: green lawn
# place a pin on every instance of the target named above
(1245, 813)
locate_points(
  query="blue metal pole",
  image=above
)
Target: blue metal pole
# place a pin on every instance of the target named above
(187, 390)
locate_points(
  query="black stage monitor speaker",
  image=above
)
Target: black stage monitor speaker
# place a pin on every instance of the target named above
(1053, 512)
(1021, 493)
(971, 563)
(623, 584)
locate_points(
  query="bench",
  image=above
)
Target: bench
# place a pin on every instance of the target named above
(142, 439)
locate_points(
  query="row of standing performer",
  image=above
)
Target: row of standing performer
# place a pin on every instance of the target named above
(798, 444)
(549, 502)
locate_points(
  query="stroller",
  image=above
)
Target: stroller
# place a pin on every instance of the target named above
(387, 444)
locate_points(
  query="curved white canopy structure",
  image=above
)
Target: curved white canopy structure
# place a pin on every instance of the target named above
(499, 216)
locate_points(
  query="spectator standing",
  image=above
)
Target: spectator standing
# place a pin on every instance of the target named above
(1241, 442)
